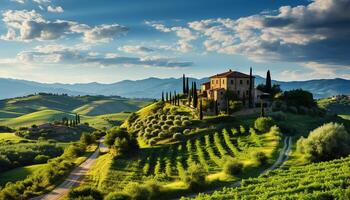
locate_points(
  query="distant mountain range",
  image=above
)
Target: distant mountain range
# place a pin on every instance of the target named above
(152, 87)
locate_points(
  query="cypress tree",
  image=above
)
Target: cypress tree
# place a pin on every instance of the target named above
(216, 109)
(183, 84)
(268, 82)
(170, 98)
(162, 96)
(250, 98)
(175, 96)
(78, 119)
(187, 86)
(262, 112)
(178, 100)
(200, 109)
(166, 97)
(195, 95)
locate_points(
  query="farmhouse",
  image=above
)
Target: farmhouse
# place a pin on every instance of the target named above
(236, 83)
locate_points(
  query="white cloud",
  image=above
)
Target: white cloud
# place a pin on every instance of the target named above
(185, 36)
(26, 25)
(57, 9)
(135, 49)
(40, 2)
(45, 55)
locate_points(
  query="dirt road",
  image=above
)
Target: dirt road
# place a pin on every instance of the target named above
(74, 177)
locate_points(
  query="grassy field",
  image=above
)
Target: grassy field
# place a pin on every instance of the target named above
(100, 111)
(19, 173)
(9, 136)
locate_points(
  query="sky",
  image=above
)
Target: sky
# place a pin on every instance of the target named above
(107, 41)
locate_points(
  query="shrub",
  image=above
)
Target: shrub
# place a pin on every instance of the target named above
(74, 150)
(156, 126)
(278, 116)
(178, 117)
(169, 122)
(187, 131)
(276, 105)
(117, 196)
(195, 177)
(178, 136)
(325, 142)
(155, 133)
(186, 123)
(299, 97)
(163, 117)
(260, 158)
(41, 159)
(170, 117)
(87, 139)
(183, 118)
(241, 129)
(162, 135)
(154, 188)
(165, 127)
(152, 142)
(303, 110)
(137, 192)
(177, 123)
(232, 167)
(85, 193)
(263, 124)
(292, 109)
(174, 129)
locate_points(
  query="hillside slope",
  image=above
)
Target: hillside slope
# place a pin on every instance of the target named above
(43, 108)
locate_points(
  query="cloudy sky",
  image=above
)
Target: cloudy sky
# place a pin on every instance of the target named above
(106, 41)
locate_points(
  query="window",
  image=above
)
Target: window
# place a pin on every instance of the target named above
(241, 82)
(223, 81)
(212, 82)
(231, 82)
(247, 82)
(217, 82)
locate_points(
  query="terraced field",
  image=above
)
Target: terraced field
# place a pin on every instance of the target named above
(325, 180)
(168, 163)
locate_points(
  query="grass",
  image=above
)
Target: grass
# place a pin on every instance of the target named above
(98, 173)
(19, 173)
(100, 111)
(9, 136)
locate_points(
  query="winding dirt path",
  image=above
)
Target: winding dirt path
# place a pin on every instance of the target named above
(282, 157)
(74, 178)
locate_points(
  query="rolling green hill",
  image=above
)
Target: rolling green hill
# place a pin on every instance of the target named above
(340, 106)
(44, 108)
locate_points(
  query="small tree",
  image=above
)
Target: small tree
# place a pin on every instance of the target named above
(263, 124)
(183, 84)
(162, 96)
(268, 82)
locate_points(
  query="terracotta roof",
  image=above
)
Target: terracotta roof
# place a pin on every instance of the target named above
(231, 74)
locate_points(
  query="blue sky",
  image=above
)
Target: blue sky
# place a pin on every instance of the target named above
(112, 40)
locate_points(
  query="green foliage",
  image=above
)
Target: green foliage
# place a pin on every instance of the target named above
(84, 193)
(325, 180)
(260, 158)
(195, 177)
(263, 124)
(74, 150)
(325, 142)
(235, 106)
(87, 138)
(137, 191)
(14, 155)
(117, 196)
(278, 116)
(232, 167)
(298, 98)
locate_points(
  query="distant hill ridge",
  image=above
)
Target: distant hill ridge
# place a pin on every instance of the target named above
(152, 87)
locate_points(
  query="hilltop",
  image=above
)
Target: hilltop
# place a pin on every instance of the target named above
(44, 107)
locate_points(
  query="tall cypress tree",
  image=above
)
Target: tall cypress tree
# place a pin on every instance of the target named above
(78, 119)
(262, 111)
(183, 84)
(187, 86)
(170, 99)
(195, 95)
(250, 98)
(162, 96)
(178, 100)
(175, 96)
(200, 109)
(166, 97)
(268, 82)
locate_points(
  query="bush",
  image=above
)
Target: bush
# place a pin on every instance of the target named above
(84, 193)
(186, 123)
(195, 177)
(260, 158)
(137, 192)
(292, 109)
(187, 131)
(326, 142)
(303, 110)
(165, 127)
(174, 129)
(171, 117)
(263, 124)
(178, 117)
(177, 123)
(154, 188)
(241, 129)
(117, 196)
(179, 136)
(232, 167)
(278, 116)
(41, 159)
(299, 97)
(152, 142)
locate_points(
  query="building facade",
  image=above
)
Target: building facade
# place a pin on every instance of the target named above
(236, 82)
